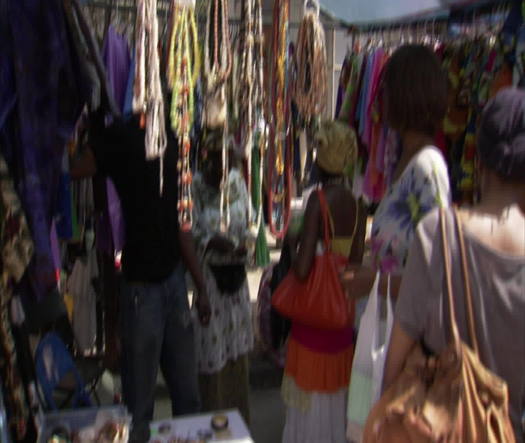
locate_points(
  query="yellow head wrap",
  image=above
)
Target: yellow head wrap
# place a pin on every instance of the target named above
(336, 147)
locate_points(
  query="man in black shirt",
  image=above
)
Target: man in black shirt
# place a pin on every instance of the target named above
(155, 315)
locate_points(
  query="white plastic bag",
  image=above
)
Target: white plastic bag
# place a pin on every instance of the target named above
(369, 361)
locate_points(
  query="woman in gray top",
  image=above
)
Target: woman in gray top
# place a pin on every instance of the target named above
(494, 233)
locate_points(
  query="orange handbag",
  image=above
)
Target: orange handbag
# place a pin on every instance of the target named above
(450, 397)
(319, 301)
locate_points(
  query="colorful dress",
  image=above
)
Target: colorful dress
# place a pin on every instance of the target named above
(223, 346)
(423, 185)
(316, 376)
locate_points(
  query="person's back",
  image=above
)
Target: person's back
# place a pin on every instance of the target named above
(344, 212)
(497, 279)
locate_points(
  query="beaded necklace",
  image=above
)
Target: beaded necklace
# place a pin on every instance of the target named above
(148, 100)
(280, 185)
(216, 74)
(250, 94)
(183, 71)
(310, 88)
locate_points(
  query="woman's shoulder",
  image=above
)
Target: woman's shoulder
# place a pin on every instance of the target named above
(428, 159)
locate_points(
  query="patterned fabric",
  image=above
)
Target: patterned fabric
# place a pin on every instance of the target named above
(16, 252)
(207, 216)
(422, 186)
(50, 91)
(229, 334)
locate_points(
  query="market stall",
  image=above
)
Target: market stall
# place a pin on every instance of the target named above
(263, 74)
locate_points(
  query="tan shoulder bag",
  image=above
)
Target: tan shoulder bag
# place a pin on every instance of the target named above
(451, 397)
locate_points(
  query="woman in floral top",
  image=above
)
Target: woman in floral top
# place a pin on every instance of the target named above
(223, 345)
(416, 102)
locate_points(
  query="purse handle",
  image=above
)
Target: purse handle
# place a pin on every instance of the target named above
(466, 283)
(448, 275)
(327, 221)
(466, 280)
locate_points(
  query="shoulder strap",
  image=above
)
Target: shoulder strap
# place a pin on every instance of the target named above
(328, 227)
(466, 284)
(448, 275)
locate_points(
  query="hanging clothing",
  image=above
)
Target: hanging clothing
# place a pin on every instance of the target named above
(17, 251)
(38, 113)
(117, 59)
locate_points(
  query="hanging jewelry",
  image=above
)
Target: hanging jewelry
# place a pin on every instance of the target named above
(183, 72)
(310, 88)
(218, 69)
(147, 92)
(251, 92)
(279, 186)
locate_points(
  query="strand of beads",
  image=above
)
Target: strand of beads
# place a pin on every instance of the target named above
(279, 186)
(310, 88)
(216, 74)
(147, 93)
(183, 72)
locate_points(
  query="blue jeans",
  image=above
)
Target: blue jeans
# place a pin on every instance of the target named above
(156, 327)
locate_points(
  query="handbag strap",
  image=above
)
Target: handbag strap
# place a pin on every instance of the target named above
(466, 283)
(448, 275)
(328, 228)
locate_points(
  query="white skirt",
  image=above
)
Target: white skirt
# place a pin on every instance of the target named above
(324, 421)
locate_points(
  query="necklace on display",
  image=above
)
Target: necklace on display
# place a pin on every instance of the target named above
(250, 96)
(279, 186)
(183, 72)
(310, 92)
(148, 100)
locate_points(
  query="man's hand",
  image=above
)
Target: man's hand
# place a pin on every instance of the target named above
(203, 307)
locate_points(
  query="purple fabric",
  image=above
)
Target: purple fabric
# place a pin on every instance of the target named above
(116, 56)
(55, 249)
(38, 113)
(116, 218)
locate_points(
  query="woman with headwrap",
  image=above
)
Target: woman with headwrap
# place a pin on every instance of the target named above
(223, 345)
(494, 235)
(318, 362)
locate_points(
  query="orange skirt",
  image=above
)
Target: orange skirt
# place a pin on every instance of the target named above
(317, 371)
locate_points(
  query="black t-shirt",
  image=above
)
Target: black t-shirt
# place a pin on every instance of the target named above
(151, 248)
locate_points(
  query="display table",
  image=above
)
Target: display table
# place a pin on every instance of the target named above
(195, 428)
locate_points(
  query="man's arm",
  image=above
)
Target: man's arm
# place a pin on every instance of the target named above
(189, 256)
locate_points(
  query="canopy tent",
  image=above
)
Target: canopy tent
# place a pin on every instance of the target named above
(362, 12)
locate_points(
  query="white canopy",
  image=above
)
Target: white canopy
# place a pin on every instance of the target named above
(375, 11)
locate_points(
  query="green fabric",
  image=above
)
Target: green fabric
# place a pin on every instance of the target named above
(262, 253)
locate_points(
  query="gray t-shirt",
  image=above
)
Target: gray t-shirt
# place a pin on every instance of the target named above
(498, 292)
